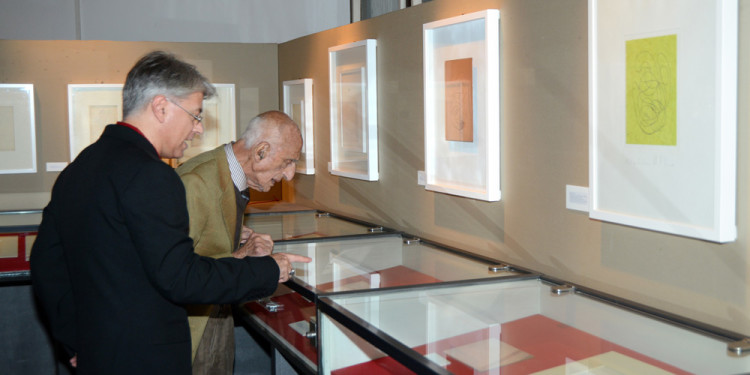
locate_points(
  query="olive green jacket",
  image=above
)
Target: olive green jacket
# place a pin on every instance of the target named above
(212, 208)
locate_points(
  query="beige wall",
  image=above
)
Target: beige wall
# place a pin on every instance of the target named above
(544, 148)
(52, 65)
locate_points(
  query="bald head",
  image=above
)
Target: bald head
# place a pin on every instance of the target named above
(271, 126)
(268, 149)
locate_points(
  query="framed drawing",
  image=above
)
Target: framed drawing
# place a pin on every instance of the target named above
(219, 124)
(17, 129)
(91, 107)
(462, 105)
(298, 104)
(663, 115)
(354, 110)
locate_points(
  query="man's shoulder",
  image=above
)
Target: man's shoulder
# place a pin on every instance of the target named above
(204, 162)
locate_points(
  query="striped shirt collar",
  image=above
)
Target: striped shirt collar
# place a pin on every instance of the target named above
(238, 175)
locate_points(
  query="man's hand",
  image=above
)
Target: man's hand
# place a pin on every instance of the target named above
(245, 234)
(285, 260)
(256, 245)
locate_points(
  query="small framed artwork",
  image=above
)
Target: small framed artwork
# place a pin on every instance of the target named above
(91, 107)
(219, 124)
(298, 104)
(17, 129)
(462, 105)
(354, 110)
(663, 116)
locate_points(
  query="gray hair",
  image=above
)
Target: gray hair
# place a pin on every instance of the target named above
(267, 124)
(161, 73)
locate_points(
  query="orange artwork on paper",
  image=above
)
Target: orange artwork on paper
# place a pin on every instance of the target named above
(459, 116)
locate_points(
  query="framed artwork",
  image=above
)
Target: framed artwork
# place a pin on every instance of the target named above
(17, 129)
(462, 105)
(663, 115)
(354, 110)
(298, 104)
(219, 124)
(91, 107)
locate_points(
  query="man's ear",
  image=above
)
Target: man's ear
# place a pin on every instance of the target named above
(159, 107)
(262, 150)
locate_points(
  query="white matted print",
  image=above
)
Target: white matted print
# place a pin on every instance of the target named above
(354, 110)
(462, 105)
(91, 107)
(17, 129)
(663, 115)
(219, 124)
(298, 104)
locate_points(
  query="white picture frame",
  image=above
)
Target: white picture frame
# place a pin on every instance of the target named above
(298, 104)
(91, 107)
(17, 129)
(219, 122)
(674, 170)
(354, 110)
(461, 89)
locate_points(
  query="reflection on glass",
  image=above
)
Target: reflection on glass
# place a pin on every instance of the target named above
(8, 219)
(302, 225)
(518, 327)
(380, 262)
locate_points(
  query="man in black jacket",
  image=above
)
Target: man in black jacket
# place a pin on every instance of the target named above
(113, 262)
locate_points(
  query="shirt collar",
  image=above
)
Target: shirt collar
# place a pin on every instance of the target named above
(235, 168)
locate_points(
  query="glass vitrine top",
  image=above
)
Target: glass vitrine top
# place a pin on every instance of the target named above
(19, 220)
(275, 207)
(382, 262)
(309, 225)
(511, 327)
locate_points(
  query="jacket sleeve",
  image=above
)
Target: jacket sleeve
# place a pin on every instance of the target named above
(51, 282)
(154, 209)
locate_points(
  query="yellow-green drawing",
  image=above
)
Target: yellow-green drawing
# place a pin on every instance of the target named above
(651, 84)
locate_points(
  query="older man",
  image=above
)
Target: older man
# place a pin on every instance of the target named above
(113, 263)
(216, 182)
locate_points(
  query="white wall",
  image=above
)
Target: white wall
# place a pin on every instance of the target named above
(234, 21)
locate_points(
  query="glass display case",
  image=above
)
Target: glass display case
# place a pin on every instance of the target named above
(274, 207)
(17, 233)
(385, 262)
(309, 225)
(524, 325)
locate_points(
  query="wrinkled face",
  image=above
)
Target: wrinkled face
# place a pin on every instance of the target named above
(277, 164)
(183, 125)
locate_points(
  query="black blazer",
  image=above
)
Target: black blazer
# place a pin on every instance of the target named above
(113, 262)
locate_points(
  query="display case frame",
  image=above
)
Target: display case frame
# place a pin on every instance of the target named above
(298, 104)
(312, 234)
(649, 164)
(462, 89)
(298, 296)
(23, 226)
(17, 129)
(354, 110)
(632, 316)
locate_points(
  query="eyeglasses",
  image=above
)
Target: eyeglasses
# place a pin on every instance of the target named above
(197, 118)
